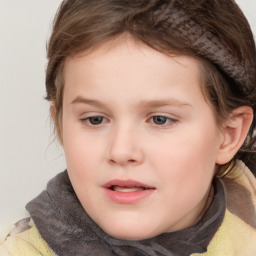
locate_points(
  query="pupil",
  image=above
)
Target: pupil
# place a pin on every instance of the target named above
(159, 119)
(96, 120)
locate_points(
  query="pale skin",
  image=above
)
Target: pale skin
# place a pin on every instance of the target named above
(130, 112)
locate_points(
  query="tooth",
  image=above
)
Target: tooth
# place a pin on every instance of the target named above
(127, 189)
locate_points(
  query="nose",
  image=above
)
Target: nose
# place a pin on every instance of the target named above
(125, 147)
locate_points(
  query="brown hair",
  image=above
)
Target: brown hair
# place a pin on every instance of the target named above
(213, 31)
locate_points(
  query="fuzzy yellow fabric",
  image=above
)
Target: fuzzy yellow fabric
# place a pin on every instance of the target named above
(26, 242)
(235, 237)
(240, 242)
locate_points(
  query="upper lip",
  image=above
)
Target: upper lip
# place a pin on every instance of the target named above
(126, 183)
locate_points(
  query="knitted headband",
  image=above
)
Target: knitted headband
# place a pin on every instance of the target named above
(242, 70)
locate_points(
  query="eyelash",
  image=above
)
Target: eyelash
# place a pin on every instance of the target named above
(163, 121)
(88, 120)
(167, 121)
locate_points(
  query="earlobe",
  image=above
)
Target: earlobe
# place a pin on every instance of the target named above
(234, 132)
(53, 113)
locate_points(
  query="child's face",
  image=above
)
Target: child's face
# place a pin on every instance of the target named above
(140, 140)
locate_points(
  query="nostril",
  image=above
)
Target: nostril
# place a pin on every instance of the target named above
(122, 161)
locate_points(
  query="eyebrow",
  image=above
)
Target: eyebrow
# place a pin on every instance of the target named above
(164, 102)
(144, 104)
(83, 100)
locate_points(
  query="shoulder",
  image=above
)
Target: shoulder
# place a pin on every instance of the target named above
(237, 233)
(24, 239)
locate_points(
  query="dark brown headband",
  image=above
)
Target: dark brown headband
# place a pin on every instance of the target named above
(207, 45)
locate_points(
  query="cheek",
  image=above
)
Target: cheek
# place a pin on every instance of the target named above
(81, 151)
(82, 159)
(186, 159)
(184, 151)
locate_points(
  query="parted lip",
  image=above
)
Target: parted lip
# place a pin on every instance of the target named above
(126, 183)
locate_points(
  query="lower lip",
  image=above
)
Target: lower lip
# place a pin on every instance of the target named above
(128, 197)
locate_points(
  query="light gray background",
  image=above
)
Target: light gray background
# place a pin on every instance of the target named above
(28, 157)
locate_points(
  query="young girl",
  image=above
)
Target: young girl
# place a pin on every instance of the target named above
(154, 104)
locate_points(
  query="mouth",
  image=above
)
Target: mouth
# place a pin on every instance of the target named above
(127, 191)
(126, 186)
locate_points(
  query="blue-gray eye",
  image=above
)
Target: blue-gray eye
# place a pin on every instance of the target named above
(160, 120)
(95, 120)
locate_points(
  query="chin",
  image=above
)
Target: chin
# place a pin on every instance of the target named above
(124, 233)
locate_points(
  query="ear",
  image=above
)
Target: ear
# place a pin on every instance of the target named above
(234, 132)
(53, 113)
(56, 123)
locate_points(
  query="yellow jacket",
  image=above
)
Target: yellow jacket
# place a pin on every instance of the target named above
(25, 240)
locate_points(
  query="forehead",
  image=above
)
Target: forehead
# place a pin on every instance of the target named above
(126, 48)
(130, 68)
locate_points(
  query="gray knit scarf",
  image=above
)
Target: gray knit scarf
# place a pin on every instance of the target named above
(68, 230)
